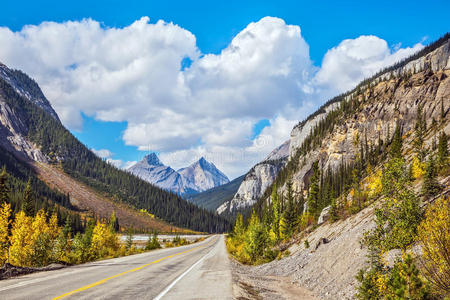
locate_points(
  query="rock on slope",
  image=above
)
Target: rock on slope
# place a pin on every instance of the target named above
(198, 177)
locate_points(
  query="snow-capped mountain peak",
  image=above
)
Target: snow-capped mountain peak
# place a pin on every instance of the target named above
(199, 176)
(152, 159)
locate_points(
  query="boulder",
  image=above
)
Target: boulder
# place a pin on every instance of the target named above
(324, 215)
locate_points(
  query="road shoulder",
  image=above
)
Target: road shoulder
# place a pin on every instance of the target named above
(249, 285)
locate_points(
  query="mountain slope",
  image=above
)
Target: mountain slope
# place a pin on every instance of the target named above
(30, 132)
(27, 88)
(211, 199)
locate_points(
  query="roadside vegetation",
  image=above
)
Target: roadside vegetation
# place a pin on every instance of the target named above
(382, 174)
(31, 238)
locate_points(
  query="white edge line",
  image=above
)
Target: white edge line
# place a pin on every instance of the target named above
(167, 289)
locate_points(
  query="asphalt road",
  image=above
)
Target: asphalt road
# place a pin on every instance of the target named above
(197, 271)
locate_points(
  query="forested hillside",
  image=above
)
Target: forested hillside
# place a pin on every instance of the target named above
(380, 158)
(61, 148)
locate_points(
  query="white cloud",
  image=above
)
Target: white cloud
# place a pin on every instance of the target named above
(102, 153)
(355, 59)
(133, 74)
(128, 164)
(118, 163)
(108, 157)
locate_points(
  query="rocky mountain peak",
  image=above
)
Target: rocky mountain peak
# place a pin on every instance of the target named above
(199, 176)
(152, 159)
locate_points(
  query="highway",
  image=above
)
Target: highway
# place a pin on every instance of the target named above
(197, 271)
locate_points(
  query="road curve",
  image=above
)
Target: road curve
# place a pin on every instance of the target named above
(197, 271)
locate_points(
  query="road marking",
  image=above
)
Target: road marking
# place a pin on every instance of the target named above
(126, 272)
(167, 289)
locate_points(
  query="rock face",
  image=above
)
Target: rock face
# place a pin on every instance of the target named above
(26, 87)
(200, 176)
(390, 100)
(256, 181)
(13, 127)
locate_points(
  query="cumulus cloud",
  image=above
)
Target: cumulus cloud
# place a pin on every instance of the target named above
(113, 74)
(355, 59)
(134, 74)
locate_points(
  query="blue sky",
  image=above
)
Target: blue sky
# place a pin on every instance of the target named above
(214, 24)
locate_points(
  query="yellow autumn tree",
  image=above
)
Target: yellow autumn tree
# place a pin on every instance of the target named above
(284, 234)
(434, 233)
(417, 168)
(374, 185)
(104, 242)
(42, 239)
(53, 227)
(21, 248)
(5, 214)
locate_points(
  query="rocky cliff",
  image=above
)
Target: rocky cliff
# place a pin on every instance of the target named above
(256, 181)
(389, 99)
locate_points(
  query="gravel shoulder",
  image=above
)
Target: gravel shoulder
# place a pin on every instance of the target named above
(248, 284)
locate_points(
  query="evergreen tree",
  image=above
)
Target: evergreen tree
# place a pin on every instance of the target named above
(397, 143)
(420, 130)
(28, 200)
(334, 216)
(442, 159)
(114, 222)
(275, 230)
(313, 195)
(67, 230)
(4, 186)
(239, 229)
(129, 241)
(289, 214)
(405, 282)
(430, 185)
(256, 240)
(442, 111)
(153, 242)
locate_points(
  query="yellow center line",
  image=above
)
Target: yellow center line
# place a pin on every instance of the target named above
(126, 272)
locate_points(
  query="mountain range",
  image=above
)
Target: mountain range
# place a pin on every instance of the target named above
(197, 177)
